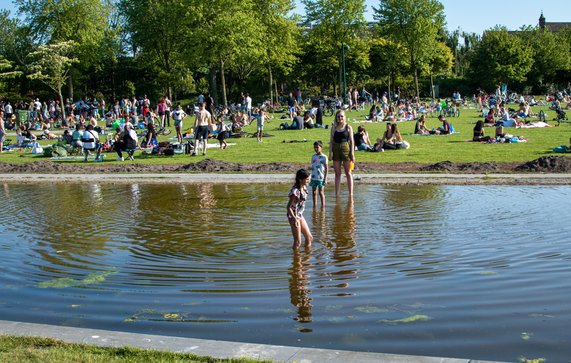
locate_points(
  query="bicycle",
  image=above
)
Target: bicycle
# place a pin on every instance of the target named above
(329, 108)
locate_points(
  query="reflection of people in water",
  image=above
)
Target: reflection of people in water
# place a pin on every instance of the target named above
(299, 286)
(343, 232)
(344, 227)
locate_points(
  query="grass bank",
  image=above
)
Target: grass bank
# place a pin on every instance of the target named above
(47, 350)
(296, 146)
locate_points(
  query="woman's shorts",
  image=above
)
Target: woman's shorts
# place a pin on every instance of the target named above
(178, 123)
(341, 151)
(221, 136)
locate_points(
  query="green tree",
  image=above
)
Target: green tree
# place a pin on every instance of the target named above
(416, 24)
(225, 31)
(7, 70)
(440, 63)
(388, 60)
(550, 54)
(85, 22)
(335, 25)
(158, 30)
(50, 64)
(280, 35)
(500, 58)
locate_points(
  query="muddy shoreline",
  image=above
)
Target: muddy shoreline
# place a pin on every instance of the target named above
(547, 164)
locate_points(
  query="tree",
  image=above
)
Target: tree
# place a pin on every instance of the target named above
(50, 64)
(279, 33)
(335, 24)
(225, 30)
(550, 54)
(82, 21)
(500, 58)
(387, 60)
(158, 29)
(413, 23)
(440, 62)
(6, 69)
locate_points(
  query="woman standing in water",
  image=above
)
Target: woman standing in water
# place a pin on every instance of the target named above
(342, 151)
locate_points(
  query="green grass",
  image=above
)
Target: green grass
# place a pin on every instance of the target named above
(47, 350)
(424, 149)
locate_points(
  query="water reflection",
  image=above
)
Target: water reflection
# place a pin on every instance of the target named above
(299, 286)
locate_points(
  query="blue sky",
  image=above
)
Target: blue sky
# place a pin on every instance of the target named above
(474, 15)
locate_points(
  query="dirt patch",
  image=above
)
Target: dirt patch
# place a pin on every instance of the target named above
(551, 164)
(450, 167)
(547, 164)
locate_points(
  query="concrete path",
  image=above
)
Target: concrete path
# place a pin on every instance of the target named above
(211, 348)
(222, 178)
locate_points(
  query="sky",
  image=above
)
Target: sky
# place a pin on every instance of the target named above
(472, 16)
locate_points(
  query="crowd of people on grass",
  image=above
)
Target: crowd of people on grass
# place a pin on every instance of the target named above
(498, 109)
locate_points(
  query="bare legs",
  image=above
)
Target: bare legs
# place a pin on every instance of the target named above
(298, 227)
(348, 174)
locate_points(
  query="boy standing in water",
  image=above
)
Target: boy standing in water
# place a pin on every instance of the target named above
(295, 208)
(319, 164)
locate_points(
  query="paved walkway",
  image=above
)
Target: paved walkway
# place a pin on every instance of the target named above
(222, 178)
(211, 348)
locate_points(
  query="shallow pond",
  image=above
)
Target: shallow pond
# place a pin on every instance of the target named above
(481, 272)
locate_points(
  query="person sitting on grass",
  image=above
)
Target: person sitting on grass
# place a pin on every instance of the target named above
(362, 141)
(479, 132)
(444, 129)
(490, 117)
(420, 127)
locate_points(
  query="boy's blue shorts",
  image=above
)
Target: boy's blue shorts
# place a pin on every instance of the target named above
(316, 184)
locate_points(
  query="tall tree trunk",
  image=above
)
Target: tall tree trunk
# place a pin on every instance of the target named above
(223, 80)
(416, 81)
(271, 83)
(62, 104)
(432, 86)
(70, 85)
(276, 85)
(212, 84)
(389, 97)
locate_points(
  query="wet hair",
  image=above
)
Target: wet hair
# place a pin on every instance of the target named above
(301, 174)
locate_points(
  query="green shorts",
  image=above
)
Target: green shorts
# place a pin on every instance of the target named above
(316, 184)
(341, 151)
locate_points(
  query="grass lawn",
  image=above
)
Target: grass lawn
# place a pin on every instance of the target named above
(46, 350)
(424, 149)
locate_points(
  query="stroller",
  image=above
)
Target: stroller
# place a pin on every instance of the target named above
(561, 116)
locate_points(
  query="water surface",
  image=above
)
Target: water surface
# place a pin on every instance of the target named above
(423, 270)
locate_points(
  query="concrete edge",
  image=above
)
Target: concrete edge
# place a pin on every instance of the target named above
(210, 348)
(222, 178)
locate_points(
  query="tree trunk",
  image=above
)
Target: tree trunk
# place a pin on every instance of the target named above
(212, 84)
(271, 83)
(69, 85)
(223, 80)
(389, 97)
(276, 85)
(432, 87)
(62, 104)
(416, 81)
